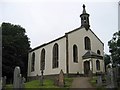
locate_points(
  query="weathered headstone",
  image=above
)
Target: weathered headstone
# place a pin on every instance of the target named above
(17, 76)
(22, 80)
(18, 81)
(41, 78)
(0, 83)
(3, 81)
(61, 79)
(110, 78)
(99, 80)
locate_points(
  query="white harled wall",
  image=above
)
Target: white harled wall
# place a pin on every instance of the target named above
(77, 37)
(48, 59)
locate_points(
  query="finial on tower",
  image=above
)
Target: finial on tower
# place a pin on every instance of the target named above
(84, 11)
(83, 5)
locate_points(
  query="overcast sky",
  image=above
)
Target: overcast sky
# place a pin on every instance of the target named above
(47, 20)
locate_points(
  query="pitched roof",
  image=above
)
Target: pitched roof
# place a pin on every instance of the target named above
(63, 37)
(88, 29)
(46, 43)
(91, 54)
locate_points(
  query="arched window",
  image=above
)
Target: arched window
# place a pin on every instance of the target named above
(87, 43)
(55, 56)
(98, 52)
(75, 54)
(42, 59)
(33, 62)
(98, 65)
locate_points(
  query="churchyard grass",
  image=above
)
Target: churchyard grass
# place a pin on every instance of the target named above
(36, 84)
(68, 82)
(48, 83)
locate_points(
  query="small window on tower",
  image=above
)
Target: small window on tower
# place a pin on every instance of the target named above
(81, 18)
(84, 18)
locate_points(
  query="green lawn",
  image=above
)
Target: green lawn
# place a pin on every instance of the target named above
(48, 83)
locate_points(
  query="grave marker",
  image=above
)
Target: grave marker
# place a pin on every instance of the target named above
(18, 79)
(61, 79)
(3, 81)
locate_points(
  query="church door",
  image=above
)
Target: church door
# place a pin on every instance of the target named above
(86, 67)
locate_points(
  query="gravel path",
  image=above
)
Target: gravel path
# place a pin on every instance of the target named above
(81, 82)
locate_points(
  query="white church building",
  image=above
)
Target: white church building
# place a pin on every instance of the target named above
(78, 51)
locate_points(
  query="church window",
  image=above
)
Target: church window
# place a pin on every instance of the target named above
(98, 52)
(33, 62)
(75, 54)
(81, 18)
(55, 56)
(84, 18)
(42, 59)
(87, 43)
(98, 65)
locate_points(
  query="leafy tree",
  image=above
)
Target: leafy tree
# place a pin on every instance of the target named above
(114, 47)
(107, 59)
(15, 46)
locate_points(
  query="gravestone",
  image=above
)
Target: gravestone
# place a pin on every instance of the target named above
(61, 79)
(110, 78)
(0, 83)
(41, 78)
(99, 80)
(18, 81)
(22, 80)
(3, 81)
(17, 76)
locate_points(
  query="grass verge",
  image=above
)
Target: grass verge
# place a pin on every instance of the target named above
(48, 83)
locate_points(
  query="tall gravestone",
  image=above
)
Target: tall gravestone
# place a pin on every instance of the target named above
(18, 79)
(99, 80)
(17, 76)
(61, 79)
(110, 78)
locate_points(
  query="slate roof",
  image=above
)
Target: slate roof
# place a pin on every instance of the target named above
(91, 54)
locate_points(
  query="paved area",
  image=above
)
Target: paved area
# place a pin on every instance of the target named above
(81, 82)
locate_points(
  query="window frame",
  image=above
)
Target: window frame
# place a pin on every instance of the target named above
(97, 65)
(42, 62)
(87, 43)
(55, 61)
(33, 62)
(75, 53)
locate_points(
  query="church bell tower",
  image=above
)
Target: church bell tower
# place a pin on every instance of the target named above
(85, 19)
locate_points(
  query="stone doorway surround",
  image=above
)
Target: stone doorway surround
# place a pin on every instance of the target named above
(86, 67)
(88, 58)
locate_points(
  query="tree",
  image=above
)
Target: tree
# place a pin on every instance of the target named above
(107, 60)
(114, 47)
(15, 46)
